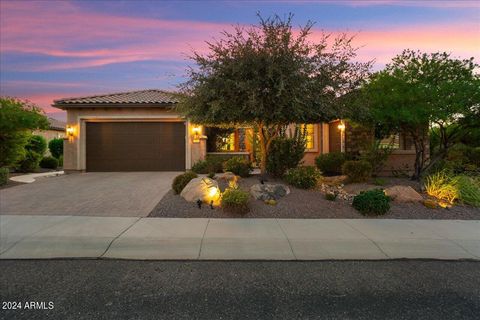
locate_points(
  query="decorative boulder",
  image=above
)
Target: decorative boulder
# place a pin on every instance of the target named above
(403, 194)
(204, 189)
(227, 179)
(269, 191)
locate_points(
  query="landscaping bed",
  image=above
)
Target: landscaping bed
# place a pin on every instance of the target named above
(307, 204)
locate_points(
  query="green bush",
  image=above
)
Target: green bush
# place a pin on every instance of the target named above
(239, 166)
(303, 177)
(30, 162)
(56, 147)
(372, 202)
(210, 165)
(49, 163)
(469, 190)
(357, 171)
(330, 163)
(4, 172)
(235, 200)
(285, 153)
(60, 161)
(182, 180)
(331, 196)
(37, 144)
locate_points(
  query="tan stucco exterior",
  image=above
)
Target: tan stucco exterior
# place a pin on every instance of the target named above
(75, 147)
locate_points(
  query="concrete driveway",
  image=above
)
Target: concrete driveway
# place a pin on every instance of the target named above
(114, 194)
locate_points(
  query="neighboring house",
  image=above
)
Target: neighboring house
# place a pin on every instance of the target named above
(140, 131)
(56, 129)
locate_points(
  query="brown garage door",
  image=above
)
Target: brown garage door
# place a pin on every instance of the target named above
(135, 146)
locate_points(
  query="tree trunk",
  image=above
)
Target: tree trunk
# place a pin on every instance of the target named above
(265, 140)
(419, 142)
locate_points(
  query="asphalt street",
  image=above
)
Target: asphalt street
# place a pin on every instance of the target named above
(118, 289)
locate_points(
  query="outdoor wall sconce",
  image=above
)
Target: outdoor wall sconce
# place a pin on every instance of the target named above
(196, 130)
(341, 126)
(70, 131)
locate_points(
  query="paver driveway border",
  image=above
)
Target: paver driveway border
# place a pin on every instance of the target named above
(24, 237)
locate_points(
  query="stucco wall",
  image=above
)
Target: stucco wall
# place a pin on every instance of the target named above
(74, 147)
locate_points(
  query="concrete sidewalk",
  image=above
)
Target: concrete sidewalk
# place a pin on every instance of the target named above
(32, 237)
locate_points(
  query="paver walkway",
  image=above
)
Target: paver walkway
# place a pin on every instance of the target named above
(25, 237)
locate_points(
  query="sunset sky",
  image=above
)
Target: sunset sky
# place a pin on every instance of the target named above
(56, 49)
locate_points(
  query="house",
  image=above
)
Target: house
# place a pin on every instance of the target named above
(140, 131)
(56, 129)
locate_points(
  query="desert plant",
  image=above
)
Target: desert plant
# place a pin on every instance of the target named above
(303, 177)
(238, 165)
(377, 155)
(235, 200)
(4, 172)
(182, 180)
(357, 171)
(469, 190)
(330, 163)
(49, 163)
(372, 202)
(56, 147)
(443, 186)
(285, 153)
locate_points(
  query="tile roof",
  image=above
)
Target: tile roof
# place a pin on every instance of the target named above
(56, 124)
(153, 96)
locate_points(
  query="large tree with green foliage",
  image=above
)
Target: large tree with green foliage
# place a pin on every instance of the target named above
(268, 76)
(417, 90)
(17, 119)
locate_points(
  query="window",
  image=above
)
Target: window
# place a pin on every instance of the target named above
(309, 130)
(228, 142)
(391, 141)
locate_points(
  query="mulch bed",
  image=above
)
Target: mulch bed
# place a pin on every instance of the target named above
(307, 204)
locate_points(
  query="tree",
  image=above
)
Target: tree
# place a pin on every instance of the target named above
(417, 90)
(17, 119)
(269, 76)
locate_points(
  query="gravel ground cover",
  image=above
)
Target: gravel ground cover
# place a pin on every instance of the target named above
(307, 204)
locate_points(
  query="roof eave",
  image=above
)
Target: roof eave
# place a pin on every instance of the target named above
(65, 106)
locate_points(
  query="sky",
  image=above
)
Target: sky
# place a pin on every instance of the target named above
(57, 49)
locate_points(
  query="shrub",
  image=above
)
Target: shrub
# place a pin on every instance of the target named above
(372, 202)
(443, 186)
(239, 166)
(30, 162)
(4, 172)
(303, 177)
(49, 163)
(379, 182)
(330, 164)
(469, 190)
(56, 147)
(331, 196)
(37, 144)
(182, 180)
(210, 165)
(357, 171)
(60, 161)
(285, 153)
(235, 200)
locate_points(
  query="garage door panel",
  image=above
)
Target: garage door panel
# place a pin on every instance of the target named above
(135, 146)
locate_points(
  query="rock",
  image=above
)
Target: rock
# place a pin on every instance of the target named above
(227, 180)
(204, 189)
(403, 194)
(334, 181)
(227, 176)
(269, 191)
